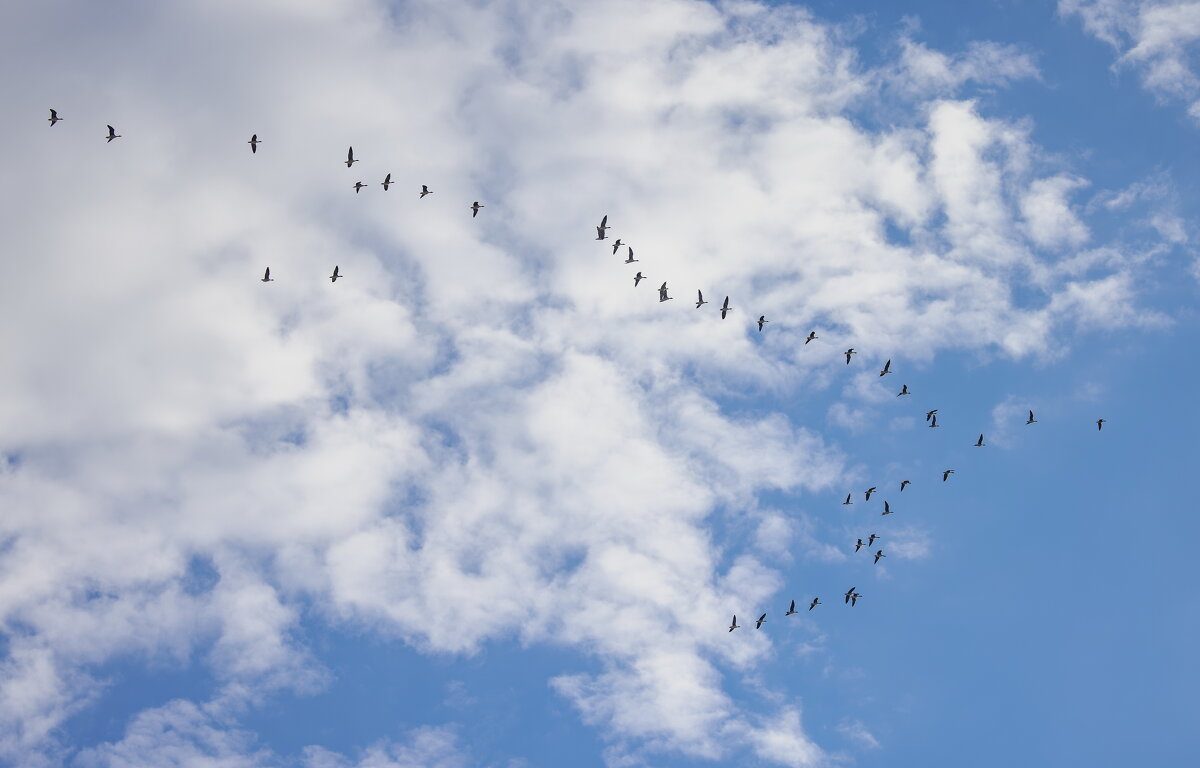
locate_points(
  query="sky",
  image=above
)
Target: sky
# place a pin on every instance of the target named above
(483, 501)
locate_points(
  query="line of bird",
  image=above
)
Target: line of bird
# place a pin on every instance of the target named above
(850, 598)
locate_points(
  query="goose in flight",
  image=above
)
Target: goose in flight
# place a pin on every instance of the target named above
(350, 158)
(334, 277)
(904, 483)
(847, 501)
(358, 187)
(1031, 419)
(629, 259)
(725, 308)
(858, 545)
(946, 475)
(887, 508)
(870, 491)
(979, 443)
(930, 414)
(1100, 424)
(933, 424)
(425, 190)
(617, 245)
(871, 540)
(700, 302)
(734, 625)
(112, 134)
(878, 555)
(887, 368)
(266, 278)
(662, 293)
(475, 206)
(903, 391)
(387, 180)
(600, 230)
(816, 601)
(254, 142)
(849, 594)
(792, 609)
(848, 353)
(639, 277)
(54, 118)
(811, 336)
(762, 320)
(854, 599)
(758, 624)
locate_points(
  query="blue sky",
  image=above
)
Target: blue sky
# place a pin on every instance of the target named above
(485, 503)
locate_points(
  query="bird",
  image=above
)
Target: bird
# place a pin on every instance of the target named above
(979, 443)
(601, 229)
(1031, 419)
(629, 259)
(1100, 424)
(54, 118)
(904, 483)
(387, 180)
(700, 302)
(254, 142)
(847, 501)
(266, 278)
(930, 414)
(933, 423)
(848, 353)
(762, 320)
(617, 245)
(662, 293)
(816, 601)
(903, 391)
(734, 625)
(350, 158)
(792, 609)
(425, 190)
(946, 475)
(725, 308)
(878, 555)
(334, 277)
(871, 539)
(811, 335)
(758, 624)
(475, 206)
(849, 594)
(112, 134)
(869, 492)
(887, 368)
(858, 545)
(639, 277)
(854, 599)
(887, 508)
(358, 187)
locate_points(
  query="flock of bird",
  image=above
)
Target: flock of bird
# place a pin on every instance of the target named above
(851, 595)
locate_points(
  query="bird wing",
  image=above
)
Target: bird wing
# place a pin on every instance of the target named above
(604, 221)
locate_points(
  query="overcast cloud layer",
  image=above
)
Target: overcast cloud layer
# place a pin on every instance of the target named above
(484, 432)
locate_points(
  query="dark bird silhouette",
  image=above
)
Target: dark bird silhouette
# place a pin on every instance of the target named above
(358, 187)
(811, 335)
(887, 508)
(858, 545)
(762, 320)
(869, 492)
(1031, 419)
(904, 483)
(979, 443)
(930, 414)
(792, 609)
(878, 555)
(734, 625)
(816, 601)
(854, 599)
(662, 293)
(254, 142)
(425, 191)
(266, 278)
(475, 206)
(600, 230)
(617, 245)
(112, 134)
(1100, 424)
(946, 475)
(887, 368)
(700, 302)
(903, 391)
(639, 277)
(933, 424)
(629, 259)
(387, 180)
(725, 308)
(350, 158)
(871, 540)
(847, 501)
(334, 277)
(848, 353)
(758, 624)
(849, 594)
(54, 118)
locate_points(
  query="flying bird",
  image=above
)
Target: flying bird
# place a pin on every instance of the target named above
(617, 245)
(662, 293)
(887, 368)
(387, 180)
(1031, 419)
(811, 335)
(734, 625)
(334, 277)
(887, 508)
(639, 277)
(854, 599)
(847, 501)
(600, 230)
(762, 320)
(758, 624)
(878, 555)
(350, 158)
(903, 391)
(946, 475)
(54, 118)
(929, 414)
(112, 134)
(358, 187)
(871, 540)
(904, 483)
(475, 206)
(849, 593)
(425, 190)
(792, 609)
(700, 302)
(816, 601)
(725, 308)
(869, 492)
(254, 142)
(848, 353)
(858, 545)
(266, 278)
(1100, 424)
(933, 423)
(979, 442)
(630, 259)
